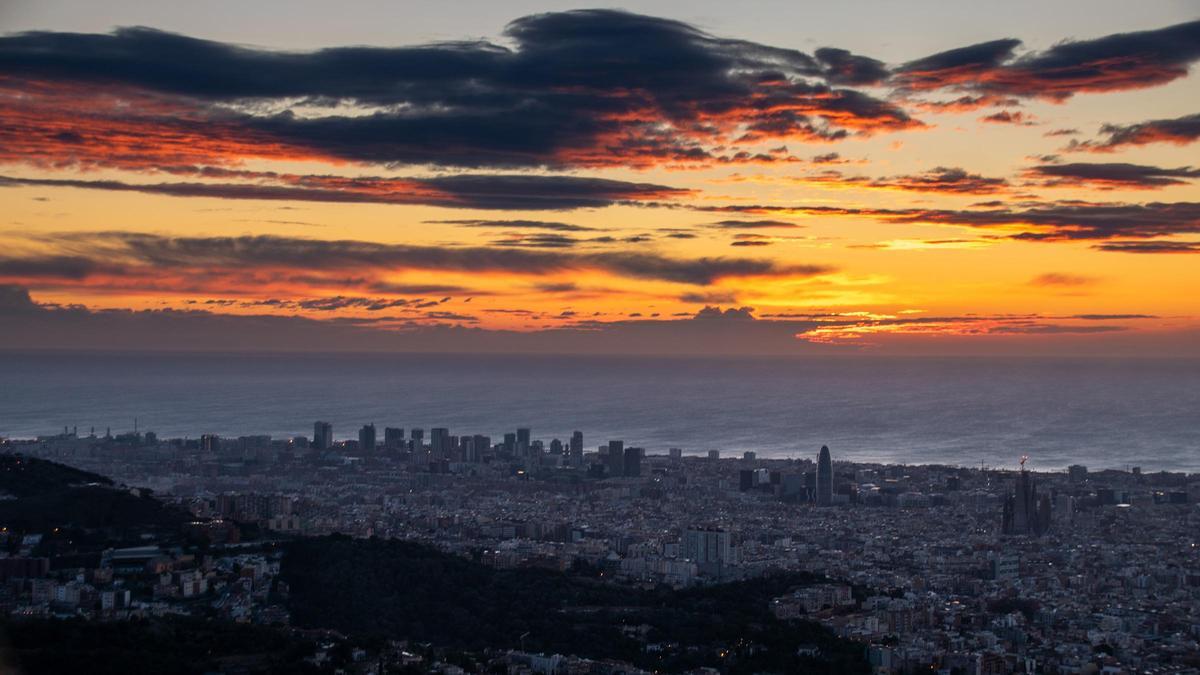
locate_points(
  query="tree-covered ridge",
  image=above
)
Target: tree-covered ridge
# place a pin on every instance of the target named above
(181, 645)
(44, 496)
(404, 590)
(22, 476)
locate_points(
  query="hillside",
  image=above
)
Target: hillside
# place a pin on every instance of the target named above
(149, 646)
(43, 495)
(22, 476)
(404, 590)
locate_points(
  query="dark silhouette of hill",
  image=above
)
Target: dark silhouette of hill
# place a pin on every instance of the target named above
(41, 495)
(22, 476)
(181, 645)
(398, 589)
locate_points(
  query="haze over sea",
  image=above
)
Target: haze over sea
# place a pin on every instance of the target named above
(1102, 413)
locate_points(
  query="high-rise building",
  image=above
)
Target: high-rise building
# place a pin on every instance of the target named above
(473, 451)
(749, 455)
(616, 458)
(418, 438)
(714, 454)
(1005, 566)
(704, 546)
(556, 447)
(792, 487)
(576, 449)
(439, 442)
(1077, 473)
(824, 477)
(393, 438)
(210, 443)
(322, 435)
(366, 439)
(510, 444)
(1064, 509)
(523, 436)
(633, 462)
(676, 453)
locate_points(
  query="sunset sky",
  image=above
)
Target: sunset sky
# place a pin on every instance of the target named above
(670, 177)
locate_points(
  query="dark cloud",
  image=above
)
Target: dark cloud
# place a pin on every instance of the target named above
(452, 316)
(711, 313)
(579, 88)
(789, 124)
(1179, 131)
(50, 267)
(518, 224)
(1054, 329)
(1068, 220)
(15, 300)
(421, 289)
(1113, 175)
(1150, 246)
(828, 158)
(753, 224)
(333, 303)
(539, 241)
(842, 67)
(557, 288)
(965, 104)
(709, 298)
(138, 250)
(555, 240)
(950, 180)
(339, 302)
(587, 88)
(1008, 117)
(957, 65)
(1039, 221)
(532, 192)
(947, 180)
(497, 192)
(1123, 61)
(1060, 279)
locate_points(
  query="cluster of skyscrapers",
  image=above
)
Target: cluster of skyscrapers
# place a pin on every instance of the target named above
(813, 487)
(613, 459)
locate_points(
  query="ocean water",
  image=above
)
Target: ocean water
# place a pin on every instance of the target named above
(964, 411)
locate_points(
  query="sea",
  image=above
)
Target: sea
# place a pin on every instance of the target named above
(1102, 413)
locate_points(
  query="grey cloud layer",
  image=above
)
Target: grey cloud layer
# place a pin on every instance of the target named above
(492, 192)
(76, 251)
(588, 81)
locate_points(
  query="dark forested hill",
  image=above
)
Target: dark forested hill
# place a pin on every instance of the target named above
(180, 645)
(40, 495)
(22, 476)
(404, 590)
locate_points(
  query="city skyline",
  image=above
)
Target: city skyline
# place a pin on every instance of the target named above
(859, 567)
(669, 178)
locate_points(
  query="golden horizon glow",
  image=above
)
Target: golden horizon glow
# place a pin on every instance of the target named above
(924, 222)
